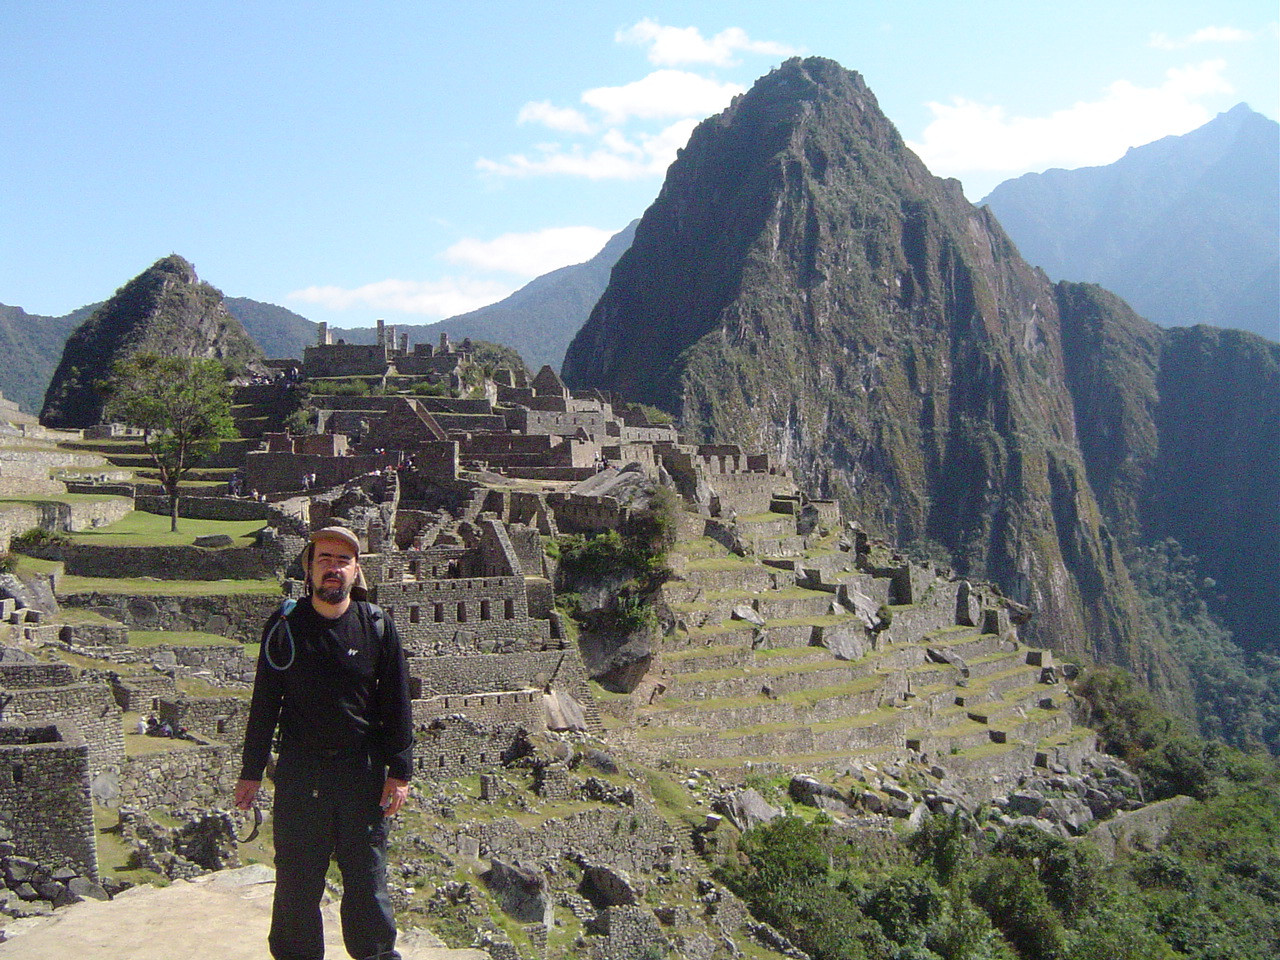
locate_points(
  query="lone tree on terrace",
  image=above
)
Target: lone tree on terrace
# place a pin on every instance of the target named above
(183, 407)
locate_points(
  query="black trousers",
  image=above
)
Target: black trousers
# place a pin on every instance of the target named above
(327, 806)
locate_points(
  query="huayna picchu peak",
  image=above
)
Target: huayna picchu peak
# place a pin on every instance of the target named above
(804, 285)
(166, 309)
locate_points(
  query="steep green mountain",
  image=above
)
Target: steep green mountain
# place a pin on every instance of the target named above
(166, 309)
(279, 332)
(32, 345)
(1179, 429)
(538, 320)
(804, 284)
(1187, 229)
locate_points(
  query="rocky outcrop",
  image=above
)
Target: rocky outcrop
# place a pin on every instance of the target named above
(166, 309)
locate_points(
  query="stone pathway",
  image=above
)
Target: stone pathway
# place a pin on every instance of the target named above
(223, 915)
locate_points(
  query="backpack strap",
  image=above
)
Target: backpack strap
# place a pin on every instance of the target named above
(379, 618)
(281, 618)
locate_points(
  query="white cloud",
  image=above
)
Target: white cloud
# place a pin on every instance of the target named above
(672, 46)
(966, 137)
(565, 119)
(446, 297)
(530, 254)
(662, 94)
(621, 120)
(616, 156)
(1162, 41)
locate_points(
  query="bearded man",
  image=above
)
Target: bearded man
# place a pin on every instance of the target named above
(332, 677)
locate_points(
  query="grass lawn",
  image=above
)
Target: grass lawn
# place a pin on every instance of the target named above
(139, 529)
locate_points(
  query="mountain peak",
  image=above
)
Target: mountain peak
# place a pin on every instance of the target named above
(165, 309)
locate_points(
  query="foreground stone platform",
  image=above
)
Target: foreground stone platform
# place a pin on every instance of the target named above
(223, 915)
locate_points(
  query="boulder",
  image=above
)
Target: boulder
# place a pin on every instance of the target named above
(968, 605)
(747, 809)
(607, 887)
(563, 712)
(845, 641)
(521, 891)
(814, 793)
(747, 615)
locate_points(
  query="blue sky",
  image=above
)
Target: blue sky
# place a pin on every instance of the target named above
(412, 161)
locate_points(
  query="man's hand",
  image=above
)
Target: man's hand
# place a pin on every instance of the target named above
(394, 794)
(246, 791)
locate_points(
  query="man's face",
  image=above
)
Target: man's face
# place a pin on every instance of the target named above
(333, 570)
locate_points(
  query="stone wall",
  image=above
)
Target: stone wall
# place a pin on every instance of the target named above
(631, 838)
(454, 746)
(44, 795)
(206, 508)
(18, 518)
(575, 513)
(346, 360)
(16, 676)
(508, 708)
(274, 472)
(533, 422)
(141, 692)
(747, 493)
(196, 773)
(167, 563)
(89, 709)
(237, 617)
(210, 718)
(430, 613)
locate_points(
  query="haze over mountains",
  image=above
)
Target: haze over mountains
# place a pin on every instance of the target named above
(1186, 229)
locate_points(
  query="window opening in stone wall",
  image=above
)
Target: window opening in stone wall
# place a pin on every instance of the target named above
(439, 612)
(415, 613)
(18, 773)
(509, 609)
(462, 613)
(484, 610)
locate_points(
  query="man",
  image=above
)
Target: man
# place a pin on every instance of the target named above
(334, 679)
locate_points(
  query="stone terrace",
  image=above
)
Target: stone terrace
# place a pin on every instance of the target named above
(820, 659)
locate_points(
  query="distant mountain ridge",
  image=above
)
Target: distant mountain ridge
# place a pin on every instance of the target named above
(1186, 229)
(537, 321)
(32, 346)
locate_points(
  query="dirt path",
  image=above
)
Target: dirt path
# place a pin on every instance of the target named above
(223, 915)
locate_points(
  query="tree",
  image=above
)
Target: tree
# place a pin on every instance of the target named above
(183, 407)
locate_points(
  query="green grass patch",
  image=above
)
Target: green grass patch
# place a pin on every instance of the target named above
(140, 529)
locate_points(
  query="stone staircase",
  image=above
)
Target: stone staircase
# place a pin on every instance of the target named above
(748, 673)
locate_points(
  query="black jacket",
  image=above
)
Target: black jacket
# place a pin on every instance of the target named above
(330, 685)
